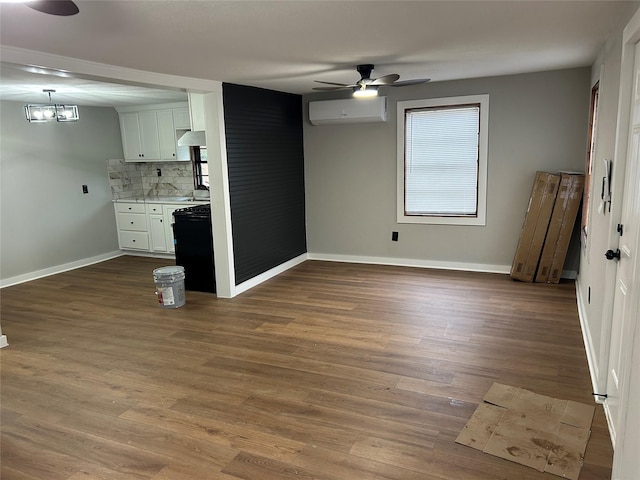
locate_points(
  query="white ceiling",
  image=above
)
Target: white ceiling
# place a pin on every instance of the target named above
(286, 45)
(26, 84)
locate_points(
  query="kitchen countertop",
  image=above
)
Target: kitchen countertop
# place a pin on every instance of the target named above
(198, 201)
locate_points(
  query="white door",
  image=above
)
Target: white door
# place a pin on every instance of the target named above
(624, 321)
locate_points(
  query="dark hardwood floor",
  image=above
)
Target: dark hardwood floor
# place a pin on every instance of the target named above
(329, 371)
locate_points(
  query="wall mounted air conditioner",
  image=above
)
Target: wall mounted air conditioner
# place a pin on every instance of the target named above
(352, 110)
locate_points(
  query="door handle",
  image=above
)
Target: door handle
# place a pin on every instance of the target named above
(611, 255)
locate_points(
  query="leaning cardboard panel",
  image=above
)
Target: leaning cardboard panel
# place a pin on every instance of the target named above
(534, 228)
(560, 229)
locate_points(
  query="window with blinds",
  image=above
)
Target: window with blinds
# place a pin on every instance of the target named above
(443, 161)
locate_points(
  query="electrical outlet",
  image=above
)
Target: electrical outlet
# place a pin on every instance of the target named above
(85, 189)
(394, 236)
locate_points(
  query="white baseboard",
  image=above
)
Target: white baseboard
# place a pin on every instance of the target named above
(592, 359)
(3, 341)
(7, 282)
(133, 253)
(612, 430)
(412, 262)
(263, 277)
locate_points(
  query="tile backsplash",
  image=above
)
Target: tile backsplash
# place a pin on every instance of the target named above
(140, 180)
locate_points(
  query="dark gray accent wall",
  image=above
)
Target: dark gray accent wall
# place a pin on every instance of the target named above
(266, 177)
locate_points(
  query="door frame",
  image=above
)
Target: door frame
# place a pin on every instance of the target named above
(625, 462)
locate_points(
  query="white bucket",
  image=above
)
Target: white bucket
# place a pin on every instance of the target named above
(170, 286)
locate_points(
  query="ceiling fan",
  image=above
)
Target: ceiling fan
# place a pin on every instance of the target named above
(368, 86)
(63, 8)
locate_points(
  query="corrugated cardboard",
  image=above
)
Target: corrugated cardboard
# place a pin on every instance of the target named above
(534, 228)
(541, 432)
(560, 229)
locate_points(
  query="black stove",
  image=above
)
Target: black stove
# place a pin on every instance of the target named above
(193, 236)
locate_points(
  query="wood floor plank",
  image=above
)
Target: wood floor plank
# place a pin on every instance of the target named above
(347, 466)
(24, 458)
(231, 436)
(197, 455)
(392, 452)
(328, 371)
(81, 447)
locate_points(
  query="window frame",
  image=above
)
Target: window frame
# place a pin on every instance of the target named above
(591, 150)
(196, 163)
(483, 146)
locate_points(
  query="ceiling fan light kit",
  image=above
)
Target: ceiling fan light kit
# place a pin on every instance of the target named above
(367, 87)
(38, 113)
(365, 92)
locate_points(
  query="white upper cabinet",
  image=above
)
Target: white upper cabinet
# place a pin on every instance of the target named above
(149, 136)
(130, 130)
(150, 133)
(181, 118)
(167, 134)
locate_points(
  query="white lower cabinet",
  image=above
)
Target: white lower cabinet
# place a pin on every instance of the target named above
(147, 226)
(131, 219)
(133, 240)
(157, 234)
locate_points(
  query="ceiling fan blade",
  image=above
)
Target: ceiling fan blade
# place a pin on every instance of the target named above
(336, 84)
(63, 8)
(344, 87)
(404, 83)
(386, 80)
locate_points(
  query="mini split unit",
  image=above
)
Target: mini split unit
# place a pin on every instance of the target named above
(342, 112)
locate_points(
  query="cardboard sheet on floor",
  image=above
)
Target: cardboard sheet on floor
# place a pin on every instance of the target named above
(541, 432)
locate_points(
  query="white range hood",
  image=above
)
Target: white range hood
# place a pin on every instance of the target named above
(196, 137)
(193, 139)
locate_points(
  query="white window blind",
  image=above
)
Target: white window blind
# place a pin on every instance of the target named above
(442, 160)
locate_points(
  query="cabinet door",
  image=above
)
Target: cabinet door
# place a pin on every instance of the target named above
(181, 118)
(168, 222)
(149, 136)
(166, 134)
(158, 236)
(130, 240)
(130, 207)
(130, 130)
(132, 221)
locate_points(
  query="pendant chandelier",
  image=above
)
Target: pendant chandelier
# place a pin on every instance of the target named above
(50, 112)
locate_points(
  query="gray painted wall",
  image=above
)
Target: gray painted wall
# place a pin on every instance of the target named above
(537, 122)
(596, 273)
(45, 220)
